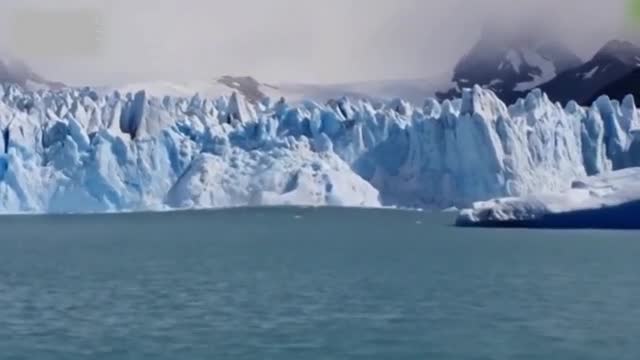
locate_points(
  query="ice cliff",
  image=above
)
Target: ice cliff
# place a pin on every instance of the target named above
(609, 200)
(82, 151)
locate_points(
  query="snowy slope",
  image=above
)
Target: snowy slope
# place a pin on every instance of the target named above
(173, 88)
(217, 87)
(609, 200)
(79, 151)
(415, 91)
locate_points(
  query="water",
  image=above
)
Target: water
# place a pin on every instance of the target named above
(312, 284)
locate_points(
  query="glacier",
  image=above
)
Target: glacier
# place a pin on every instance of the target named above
(609, 201)
(84, 150)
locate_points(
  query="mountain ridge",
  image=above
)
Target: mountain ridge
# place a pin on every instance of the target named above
(20, 73)
(508, 64)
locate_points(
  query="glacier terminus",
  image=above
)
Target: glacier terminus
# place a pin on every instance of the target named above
(87, 151)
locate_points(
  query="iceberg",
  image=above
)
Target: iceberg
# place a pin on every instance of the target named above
(609, 201)
(89, 150)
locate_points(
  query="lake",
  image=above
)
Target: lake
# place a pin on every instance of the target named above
(292, 283)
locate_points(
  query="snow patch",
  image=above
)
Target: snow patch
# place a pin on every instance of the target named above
(590, 73)
(514, 58)
(546, 67)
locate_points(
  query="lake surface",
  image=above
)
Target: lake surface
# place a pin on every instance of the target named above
(312, 284)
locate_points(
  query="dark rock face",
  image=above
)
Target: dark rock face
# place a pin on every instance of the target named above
(628, 84)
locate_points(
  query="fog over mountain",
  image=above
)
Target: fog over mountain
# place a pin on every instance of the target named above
(328, 41)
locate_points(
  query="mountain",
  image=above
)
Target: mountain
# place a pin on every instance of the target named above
(77, 151)
(612, 63)
(17, 72)
(510, 64)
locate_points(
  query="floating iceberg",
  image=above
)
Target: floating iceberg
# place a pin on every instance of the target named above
(609, 201)
(86, 151)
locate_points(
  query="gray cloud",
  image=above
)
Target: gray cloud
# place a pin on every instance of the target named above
(281, 40)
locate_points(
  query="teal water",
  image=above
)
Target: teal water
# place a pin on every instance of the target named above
(312, 284)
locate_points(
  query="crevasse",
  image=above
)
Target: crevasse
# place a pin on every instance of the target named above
(79, 151)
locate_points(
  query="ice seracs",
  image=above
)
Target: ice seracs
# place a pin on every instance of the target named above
(80, 150)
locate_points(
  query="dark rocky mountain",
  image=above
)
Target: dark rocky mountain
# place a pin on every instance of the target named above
(511, 65)
(609, 72)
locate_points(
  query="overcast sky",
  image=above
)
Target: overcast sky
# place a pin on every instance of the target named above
(114, 41)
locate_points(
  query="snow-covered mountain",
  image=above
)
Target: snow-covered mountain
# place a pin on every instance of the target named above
(247, 86)
(510, 64)
(79, 151)
(413, 90)
(588, 81)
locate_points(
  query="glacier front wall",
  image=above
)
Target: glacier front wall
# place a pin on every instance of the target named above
(78, 151)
